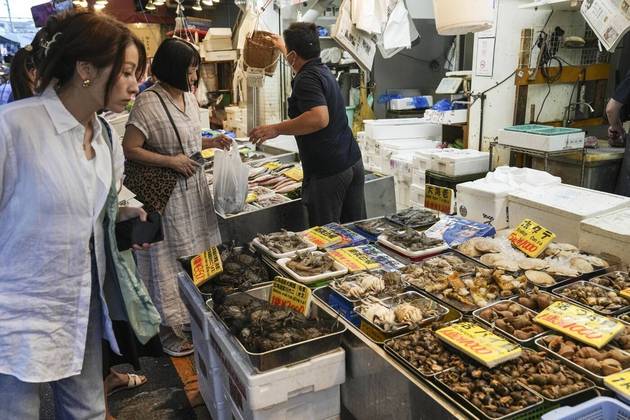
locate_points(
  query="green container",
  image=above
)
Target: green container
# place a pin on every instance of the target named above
(350, 114)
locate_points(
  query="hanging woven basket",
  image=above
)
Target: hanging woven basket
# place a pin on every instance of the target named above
(260, 53)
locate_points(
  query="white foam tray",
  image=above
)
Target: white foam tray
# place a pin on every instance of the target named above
(340, 271)
(417, 254)
(311, 247)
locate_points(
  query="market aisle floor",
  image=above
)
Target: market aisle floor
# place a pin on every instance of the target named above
(163, 397)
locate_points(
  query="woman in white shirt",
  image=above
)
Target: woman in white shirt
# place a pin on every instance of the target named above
(56, 171)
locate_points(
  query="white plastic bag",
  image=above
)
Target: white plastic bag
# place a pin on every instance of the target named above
(230, 181)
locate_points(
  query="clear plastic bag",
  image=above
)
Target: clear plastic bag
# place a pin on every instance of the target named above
(230, 181)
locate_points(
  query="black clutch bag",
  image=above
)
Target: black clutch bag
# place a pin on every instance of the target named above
(135, 231)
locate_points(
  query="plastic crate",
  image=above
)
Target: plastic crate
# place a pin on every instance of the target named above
(600, 408)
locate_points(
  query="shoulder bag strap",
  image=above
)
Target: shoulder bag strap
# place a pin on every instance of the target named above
(170, 117)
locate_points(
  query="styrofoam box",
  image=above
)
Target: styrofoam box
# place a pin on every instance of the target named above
(462, 162)
(455, 116)
(402, 128)
(422, 158)
(561, 208)
(278, 386)
(544, 143)
(212, 384)
(320, 405)
(401, 104)
(418, 176)
(609, 233)
(416, 193)
(386, 149)
(484, 202)
(400, 164)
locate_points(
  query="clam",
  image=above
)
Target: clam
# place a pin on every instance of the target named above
(540, 278)
(580, 264)
(490, 259)
(596, 261)
(487, 245)
(560, 270)
(533, 264)
(506, 265)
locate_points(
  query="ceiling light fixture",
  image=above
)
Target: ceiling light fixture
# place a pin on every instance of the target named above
(197, 6)
(101, 2)
(159, 2)
(150, 5)
(99, 6)
(207, 2)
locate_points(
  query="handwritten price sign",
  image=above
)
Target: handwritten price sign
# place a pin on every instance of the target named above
(438, 198)
(479, 343)
(206, 266)
(619, 382)
(580, 323)
(531, 238)
(290, 294)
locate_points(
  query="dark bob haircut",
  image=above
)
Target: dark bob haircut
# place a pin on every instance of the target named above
(81, 35)
(303, 38)
(171, 62)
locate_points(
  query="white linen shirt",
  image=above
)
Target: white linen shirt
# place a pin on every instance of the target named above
(50, 205)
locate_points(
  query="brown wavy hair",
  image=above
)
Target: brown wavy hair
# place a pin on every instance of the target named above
(82, 35)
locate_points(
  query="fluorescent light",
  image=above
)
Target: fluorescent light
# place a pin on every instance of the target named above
(197, 6)
(159, 2)
(150, 5)
(207, 2)
(101, 2)
(99, 6)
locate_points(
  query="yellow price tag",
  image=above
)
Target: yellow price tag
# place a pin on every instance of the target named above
(619, 382)
(580, 323)
(207, 153)
(531, 238)
(272, 165)
(251, 197)
(479, 343)
(322, 236)
(285, 292)
(205, 266)
(438, 198)
(295, 174)
(354, 259)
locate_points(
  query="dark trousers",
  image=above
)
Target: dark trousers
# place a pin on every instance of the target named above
(337, 198)
(623, 180)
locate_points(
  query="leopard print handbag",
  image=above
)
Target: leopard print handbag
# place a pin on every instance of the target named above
(153, 185)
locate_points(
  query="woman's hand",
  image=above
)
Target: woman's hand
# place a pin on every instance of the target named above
(261, 134)
(127, 213)
(216, 142)
(183, 164)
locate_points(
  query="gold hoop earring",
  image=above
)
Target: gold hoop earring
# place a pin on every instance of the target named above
(87, 83)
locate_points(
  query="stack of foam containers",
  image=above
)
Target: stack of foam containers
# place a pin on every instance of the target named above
(609, 233)
(236, 390)
(562, 208)
(486, 200)
(421, 162)
(456, 162)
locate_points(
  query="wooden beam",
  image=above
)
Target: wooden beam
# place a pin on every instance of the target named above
(569, 75)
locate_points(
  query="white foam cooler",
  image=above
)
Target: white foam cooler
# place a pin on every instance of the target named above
(422, 158)
(402, 128)
(484, 202)
(416, 195)
(460, 162)
(609, 233)
(561, 208)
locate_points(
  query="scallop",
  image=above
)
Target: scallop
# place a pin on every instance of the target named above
(506, 265)
(596, 261)
(581, 265)
(533, 264)
(487, 245)
(468, 248)
(490, 259)
(559, 246)
(540, 278)
(560, 270)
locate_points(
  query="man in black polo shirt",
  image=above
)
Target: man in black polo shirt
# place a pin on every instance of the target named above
(617, 111)
(333, 170)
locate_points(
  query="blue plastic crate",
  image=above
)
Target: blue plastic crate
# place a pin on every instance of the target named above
(600, 408)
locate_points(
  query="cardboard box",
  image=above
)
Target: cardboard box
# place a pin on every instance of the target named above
(218, 39)
(150, 34)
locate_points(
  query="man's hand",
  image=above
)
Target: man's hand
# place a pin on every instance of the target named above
(616, 136)
(216, 142)
(183, 164)
(278, 42)
(261, 134)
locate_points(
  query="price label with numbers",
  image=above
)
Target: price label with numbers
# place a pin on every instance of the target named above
(531, 238)
(206, 265)
(480, 344)
(294, 295)
(580, 323)
(438, 198)
(295, 174)
(354, 259)
(619, 382)
(322, 236)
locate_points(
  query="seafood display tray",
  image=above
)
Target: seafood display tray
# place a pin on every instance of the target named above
(293, 353)
(402, 328)
(260, 246)
(558, 291)
(420, 226)
(608, 273)
(371, 236)
(598, 379)
(551, 295)
(340, 270)
(381, 295)
(478, 412)
(530, 342)
(382, 239)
